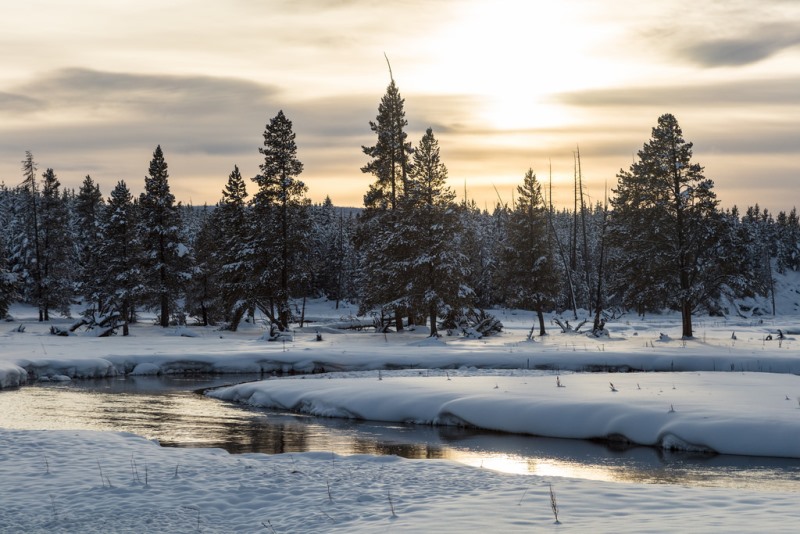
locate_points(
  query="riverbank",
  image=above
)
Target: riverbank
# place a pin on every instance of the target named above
(70, 481)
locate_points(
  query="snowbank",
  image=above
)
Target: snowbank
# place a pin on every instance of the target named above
(755, 414)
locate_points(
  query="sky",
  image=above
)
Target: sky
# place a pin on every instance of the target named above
(93, 86)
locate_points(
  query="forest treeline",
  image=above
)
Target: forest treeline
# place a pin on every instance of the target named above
(412, 255)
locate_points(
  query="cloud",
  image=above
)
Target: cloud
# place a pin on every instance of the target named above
(99, 92)
(18, 104)
(760, 43)
(766, 92)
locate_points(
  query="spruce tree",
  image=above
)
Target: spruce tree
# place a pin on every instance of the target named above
(203, 298)
(119, 252)
(280, 212)
(88, 213)
(25, 238)
(234, 254)
(379, 225)
(159, 233)
(55, 250)
(529, 271)
(433, 266)
(7, 278)
(664, 222)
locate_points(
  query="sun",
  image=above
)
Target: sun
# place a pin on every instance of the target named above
(515, 58)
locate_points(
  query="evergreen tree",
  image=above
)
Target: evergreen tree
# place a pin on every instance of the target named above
(281, 218)
(477, 245)
(390, 164)
(333, 252)
(25, 237)
(233, 252)
(55, 250)
(664, 221)
(787, 241)
(119, 253)
(203, 299)
(87, 218)
(7, 278)
(435, 269)
(529, 271)
(390, 156)
(159, 233)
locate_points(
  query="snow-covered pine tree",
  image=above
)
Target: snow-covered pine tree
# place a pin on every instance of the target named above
(665, 221)
(280, 212)
(742, 250)
(7, 279)
(55, 252)
(787, 241)
(203, 297)
(87, 214)
(120, 252)
(25, 238)
(331, 252)
(529, 271)
(434, 267)
(476, 242)
(234, 252)
(380, 284)
(158, 230)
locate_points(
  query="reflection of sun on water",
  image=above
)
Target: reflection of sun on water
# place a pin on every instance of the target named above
(520, 466)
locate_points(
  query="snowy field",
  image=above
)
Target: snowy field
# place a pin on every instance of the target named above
(730, 390)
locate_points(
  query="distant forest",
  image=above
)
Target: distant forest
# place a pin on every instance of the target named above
(411, 255)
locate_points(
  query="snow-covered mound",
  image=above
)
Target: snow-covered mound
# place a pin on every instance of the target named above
(733, 413)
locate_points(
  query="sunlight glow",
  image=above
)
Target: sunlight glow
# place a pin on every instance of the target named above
(520, 466)
(517, 55)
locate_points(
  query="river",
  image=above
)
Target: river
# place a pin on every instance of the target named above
(170, 410)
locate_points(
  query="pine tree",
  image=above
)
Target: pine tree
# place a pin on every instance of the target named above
(435, 268)
(333, 253)
(25, 247)
(281, 218)
(159, 233)
(391, 154)
(390, 164)
(119, 252)
(477, 244)
(87, 216)
(234, 253)
(55, 250)
(203, 295)
(529, 271)
(664, 221)
(7, 278)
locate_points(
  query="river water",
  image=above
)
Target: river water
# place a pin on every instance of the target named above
(170, 410)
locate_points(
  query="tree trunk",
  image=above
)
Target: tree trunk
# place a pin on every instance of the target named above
(686, 319)
(540, 315)
(434, 316)
(398, 319)
(164, 310)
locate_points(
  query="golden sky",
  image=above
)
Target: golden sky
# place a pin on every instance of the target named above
(92, 86)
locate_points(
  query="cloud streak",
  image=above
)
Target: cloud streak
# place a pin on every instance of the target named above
(762, 42)
(765, 92)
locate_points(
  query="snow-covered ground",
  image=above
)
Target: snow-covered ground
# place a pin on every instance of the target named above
(731, 390)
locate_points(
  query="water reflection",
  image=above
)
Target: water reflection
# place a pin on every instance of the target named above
(168, 409)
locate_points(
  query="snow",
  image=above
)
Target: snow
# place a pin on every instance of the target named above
(730, 413)
(735, 396)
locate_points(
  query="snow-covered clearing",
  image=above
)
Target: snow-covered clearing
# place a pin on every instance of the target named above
(729, 390)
